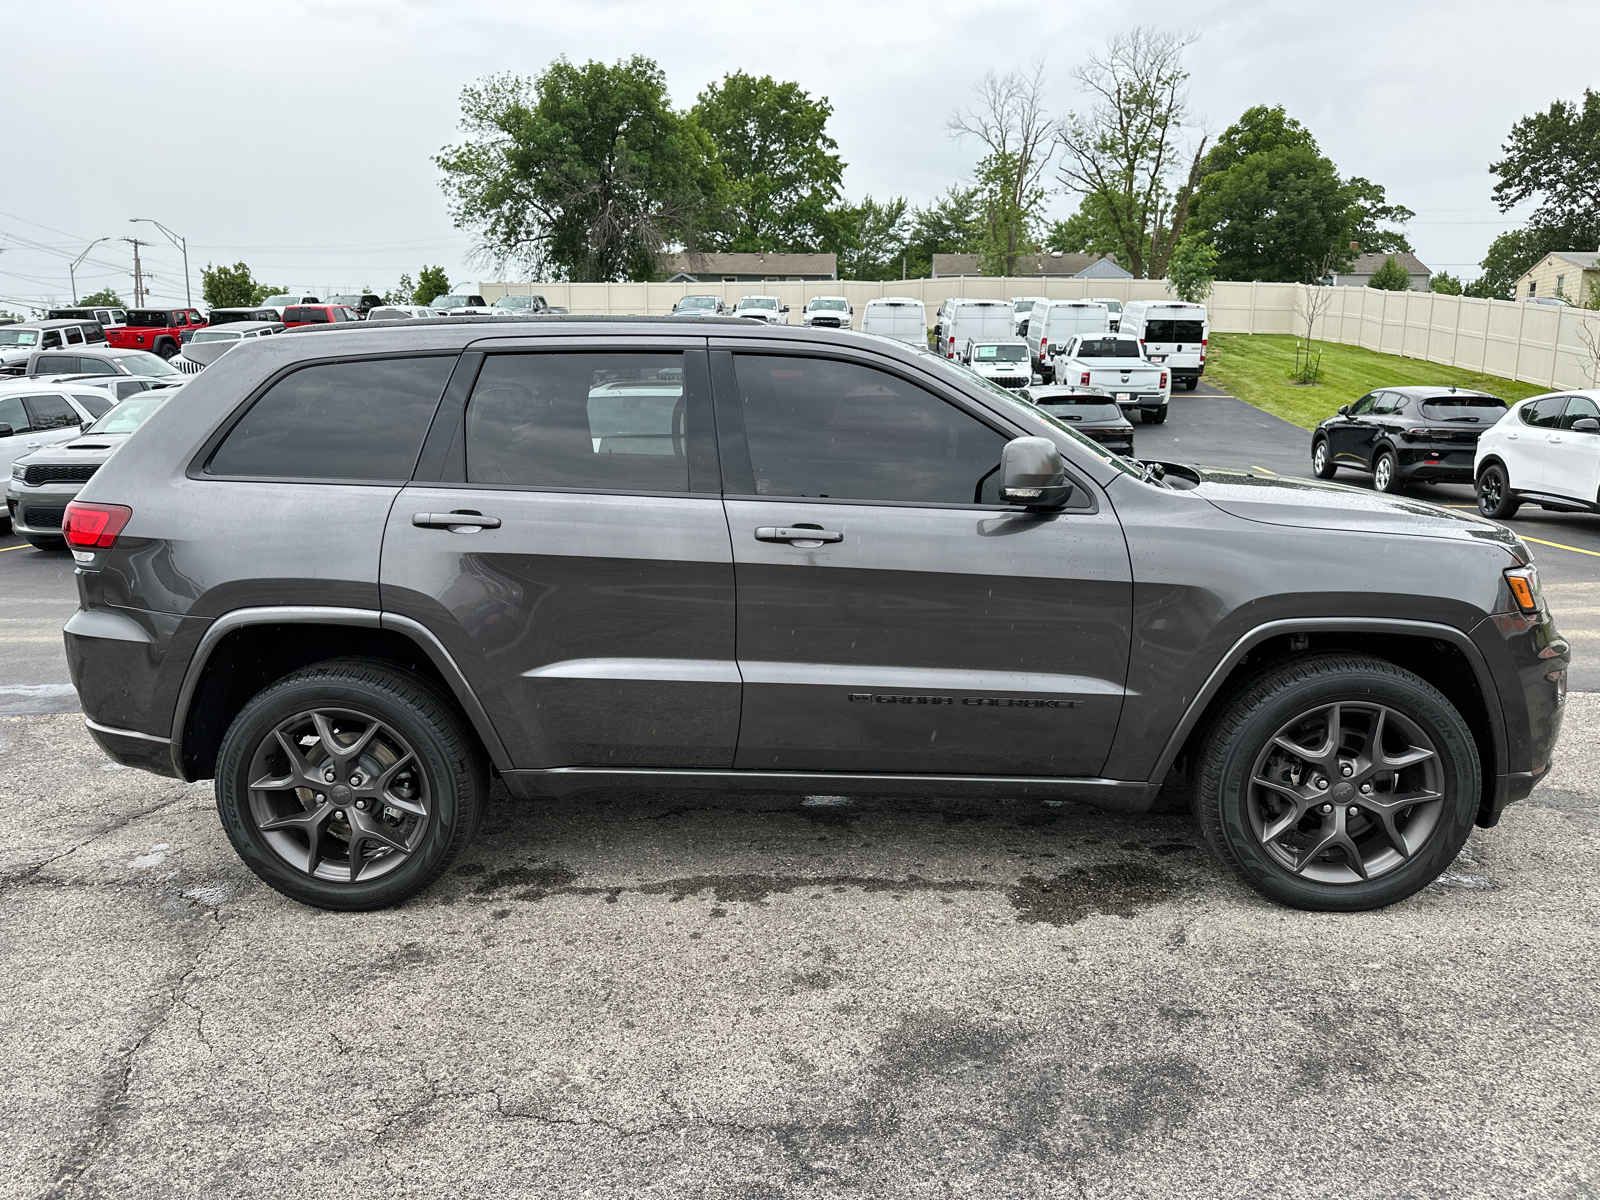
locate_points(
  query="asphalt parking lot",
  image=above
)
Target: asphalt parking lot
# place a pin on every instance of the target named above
(633, 995)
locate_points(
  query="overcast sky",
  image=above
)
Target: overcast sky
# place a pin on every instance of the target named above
(298, 135)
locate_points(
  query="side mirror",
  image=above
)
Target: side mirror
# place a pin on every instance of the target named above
(784, 309)
(1586, 425)
(186, 336)
(1344, 410)
(1031, 474)
(5, 430)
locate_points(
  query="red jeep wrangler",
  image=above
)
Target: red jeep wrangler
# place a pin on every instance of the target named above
(159, 330)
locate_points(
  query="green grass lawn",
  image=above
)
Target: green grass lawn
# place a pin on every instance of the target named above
(1255, 368)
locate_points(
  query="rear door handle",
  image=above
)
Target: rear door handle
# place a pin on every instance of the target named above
(790, 533)
(457, 522)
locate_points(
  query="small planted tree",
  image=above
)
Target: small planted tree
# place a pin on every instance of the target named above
(433, 282)
(1445, 284)
(228, 287)
(402, 291)
(1192, 269)
(105, 297)
(1391, 277)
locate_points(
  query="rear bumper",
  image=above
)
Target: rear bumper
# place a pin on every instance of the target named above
(1441, 464)
(134, 749)
(1148, 402)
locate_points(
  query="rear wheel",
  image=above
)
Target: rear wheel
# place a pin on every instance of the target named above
(1322, 464)
(349, 785)
(1338, 783)
(1495, 497)
(166, 348)
(1191, 383)
(1156, 416)
(1386, 472)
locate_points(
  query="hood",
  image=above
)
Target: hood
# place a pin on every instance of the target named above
(1001, 368)
(1311, 504)
(89, 450)
(206, 353)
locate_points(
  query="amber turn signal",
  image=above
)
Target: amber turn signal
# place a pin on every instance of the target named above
(1524, 584)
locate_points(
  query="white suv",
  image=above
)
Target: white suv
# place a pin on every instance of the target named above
(1546, 450)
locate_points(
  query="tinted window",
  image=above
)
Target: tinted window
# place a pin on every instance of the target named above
(818, 427)
(94, 405)
(1363, 406)
(1107, 348)
(51, 412)
(130, 387)
(613, 421)
(13, 414)
(1544, 413)
(1174, 331)
(361, 420)
(1578, 408)
(150, 318)
(56, 364)
(1384, 403)
(94, 333)
(1487, 409)
(95, 366)
(51, 339)
(74, 335)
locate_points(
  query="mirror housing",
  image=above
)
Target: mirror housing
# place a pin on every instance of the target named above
(1031, 474)
(1586, 425)
(6, 430)
(1344, 410)
(784, 309)
(186, 336)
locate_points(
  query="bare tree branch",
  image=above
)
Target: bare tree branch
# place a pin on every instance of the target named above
(1009, 119)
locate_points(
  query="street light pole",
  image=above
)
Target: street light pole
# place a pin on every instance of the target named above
(72, 267)
(182, 244)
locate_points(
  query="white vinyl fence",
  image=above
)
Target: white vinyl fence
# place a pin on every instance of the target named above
(1534, 343)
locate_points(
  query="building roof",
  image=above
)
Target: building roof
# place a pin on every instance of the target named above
(1062, 266)
(1579, 258)
(767, 266)
(1368, 264)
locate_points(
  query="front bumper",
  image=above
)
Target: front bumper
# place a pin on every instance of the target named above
(39, 510)
(1528, 663)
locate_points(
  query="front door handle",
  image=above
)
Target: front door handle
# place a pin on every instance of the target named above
(1554, 440)
(792, 533)
(464, 521)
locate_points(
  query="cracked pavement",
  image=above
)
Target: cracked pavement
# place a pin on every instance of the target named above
(643, 996)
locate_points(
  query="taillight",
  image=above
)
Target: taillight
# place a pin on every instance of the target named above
(1084, 382)
(1163, 379)
(94, 526)
(952, 353)
(1204, 342)
(1044, 345)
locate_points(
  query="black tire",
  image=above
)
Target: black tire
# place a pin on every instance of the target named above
(1230, 805)
(166, 348)
(1157, 416)
(1495, 497)
(1386, 472)
(1191, 383)
(410, 714)
(1322, 464)
(47, 543)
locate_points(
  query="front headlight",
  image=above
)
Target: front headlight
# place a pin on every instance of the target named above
(18, 471)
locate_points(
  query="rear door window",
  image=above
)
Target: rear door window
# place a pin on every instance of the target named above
(51, 412)
(74, 335)
(13, 414)
(608, 421)
(838, 430)
(361, 421)
(1546, 413)
(1174, 331)
(57, 364)
(95, 405)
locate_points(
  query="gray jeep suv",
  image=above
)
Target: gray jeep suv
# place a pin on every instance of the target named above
(359, 572)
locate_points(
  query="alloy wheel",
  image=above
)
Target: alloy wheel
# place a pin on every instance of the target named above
(1489, 490)
(1346, 792)
(1319, 456)
(339, 795)
(1381, 475)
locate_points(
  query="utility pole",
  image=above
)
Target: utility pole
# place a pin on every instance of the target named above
(73, 266)
(138, 273)
(181, 243)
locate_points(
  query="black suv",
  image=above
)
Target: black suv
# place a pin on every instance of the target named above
(1406, 434)
(359, 572)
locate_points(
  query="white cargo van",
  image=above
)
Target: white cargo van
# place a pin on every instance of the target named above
(1051, 325)
(1113, 309)
(1021, 306)
(1171, 333)
(960, 321)
(897, 317)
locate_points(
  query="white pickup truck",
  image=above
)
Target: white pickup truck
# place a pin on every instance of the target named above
(1113, 366)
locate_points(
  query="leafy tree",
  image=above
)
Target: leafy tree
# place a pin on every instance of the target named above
(228, 287)
(782, 173)
(263, 290)
(1554, 157)
(402, 291)
(1445, 284)
(15, 317)
(584, 172)
(1090, 230)
(1192, 269)
(1124, 150)
(431, 283)
(105, 298)
(1509, 258)
(952, 224)
(1010, 121)
(878, 238)
(1370, 211)
(1391, 277)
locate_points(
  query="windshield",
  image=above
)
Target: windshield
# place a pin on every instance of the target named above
(1079, 407)
(129, 415)
(518, 302)
(696, 303)
(1023, 306)
(1112, 306)
(981, 353)
(150, 318)
(758, 302)
(829, 305)
(1108, 348)
(18, 337)
(216, 335)
(447, 302)
(142, 362)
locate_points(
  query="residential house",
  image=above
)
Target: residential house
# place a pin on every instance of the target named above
(1053, 265)
(749, 268)
(1570, 275)
(1365, 266)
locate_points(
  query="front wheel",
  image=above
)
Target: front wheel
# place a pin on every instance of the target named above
(1322, 464)
(349, 785)
(1386, 473)
(1338, 783)
(1495, 497)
